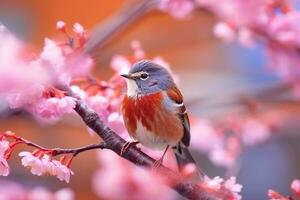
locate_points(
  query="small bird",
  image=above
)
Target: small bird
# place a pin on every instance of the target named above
(154, 113)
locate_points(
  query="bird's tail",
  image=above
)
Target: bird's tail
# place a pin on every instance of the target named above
(184, 157)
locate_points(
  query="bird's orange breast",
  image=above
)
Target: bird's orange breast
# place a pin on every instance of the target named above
(149, 111)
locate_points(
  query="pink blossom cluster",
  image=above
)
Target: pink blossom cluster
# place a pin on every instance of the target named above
(230, 185)
(44, 165)
(4, 167)
(118, 179)
(26, 80)
(40, 162)
(227, 139)
(295, 192)
(12, 190)
(275, 22)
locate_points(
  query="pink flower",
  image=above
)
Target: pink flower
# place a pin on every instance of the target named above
(218, 184)
(61, 25)
(64, 194)
(214, 183)
(25, 97)
(100, 104)
(39, 193)
(79, 92)
(224, 31)
(4, 146)
(231, 185)
(21, 81)
(125, 181)
(295, 187)
(11, 191)
(78, 66)
(203, 131)
(53, 108)
(120, 64)
(48, 167)
(246, 37)
(52, 55)
(177, 8)
(239, 12)
(254, 131)
(115, 122)
(43, 166)
(4, 167)
(222, 157)
(286, 28)
(284, 62)
(63, 173)
(31, 161)
(78, 28)
(227, 154)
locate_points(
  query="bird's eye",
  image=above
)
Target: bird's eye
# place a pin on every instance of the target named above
(144, 76)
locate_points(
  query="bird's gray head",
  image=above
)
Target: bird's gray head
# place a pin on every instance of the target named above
(147, 77)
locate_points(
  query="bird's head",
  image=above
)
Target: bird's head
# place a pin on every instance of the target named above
(147, 77)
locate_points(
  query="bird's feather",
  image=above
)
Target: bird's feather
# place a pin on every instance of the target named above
(175, 95)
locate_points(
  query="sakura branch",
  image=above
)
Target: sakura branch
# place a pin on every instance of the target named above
(40, 161)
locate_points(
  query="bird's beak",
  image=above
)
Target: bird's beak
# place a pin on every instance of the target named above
(128, 76)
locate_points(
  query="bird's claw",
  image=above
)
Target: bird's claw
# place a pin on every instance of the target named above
(126, 146)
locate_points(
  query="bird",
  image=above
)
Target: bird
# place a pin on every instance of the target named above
(154, 113)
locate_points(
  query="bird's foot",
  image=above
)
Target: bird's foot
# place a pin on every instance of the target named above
(157, 163)
(126, 146)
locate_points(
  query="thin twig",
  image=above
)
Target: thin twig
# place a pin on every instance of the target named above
(59, 151)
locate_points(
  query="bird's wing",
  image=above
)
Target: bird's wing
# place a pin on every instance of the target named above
(175, 95)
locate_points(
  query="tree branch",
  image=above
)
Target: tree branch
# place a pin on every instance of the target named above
(115, 143)
(103, 32)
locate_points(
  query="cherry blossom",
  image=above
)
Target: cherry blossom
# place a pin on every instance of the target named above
(41, 166)
(120, 64)
(64, 194)
(254, 131)
(78, 28)
(54, 66)
(13, 190)
(218, 183)
(34, 163)
(4, 167)
(234, 187)
(117, 179)
(285, 28)
(295, 186)
(223, 31)
(53, 108)
(4, 145)
(61, 25)
(63, 172)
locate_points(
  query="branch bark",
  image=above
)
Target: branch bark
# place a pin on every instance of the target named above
(115, 143)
